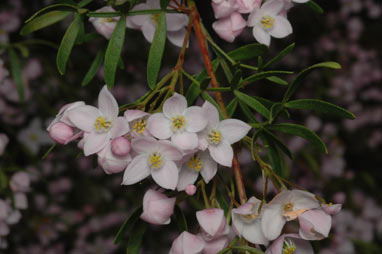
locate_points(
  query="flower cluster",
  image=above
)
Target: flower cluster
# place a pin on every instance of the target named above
(267, 19)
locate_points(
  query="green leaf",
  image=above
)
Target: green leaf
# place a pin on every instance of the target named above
(300, 76)
(273, 153)
(114, 50)
(49, 151)
(61, 7)
(67, 43)
(164, 4)
(43, 21)
(275, 111)
(248, 52)
(96, 64)
(279, 143)
(247, 112)
(253, 103)
(299, 130)
(135, 239)
(320, 106)
(277, 80)
(247, 248)
(24, 51)
(261, 75)
(280, 56)
(3, 180)
(315, 7)
(128, 224)
(16, 72)
(231, 107)
(156, 50)
(180, 219)
(84, 3)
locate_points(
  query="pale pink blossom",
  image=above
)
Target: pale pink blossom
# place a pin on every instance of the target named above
(62, 115)
(178, 122)
(216, 245)
(61, 133)
(99, 124)
(105, 26)
(332, 209)
(190, 189)
(120, 146)
(247, 6)
(290, 243)
(155, 158)
(246, 222)
(212, 222)
(223, 8)
(267, 22)
(286, 206)
(187, 243)
(157, 208)
(110, 162)
(4, 140)
(219, 135)
(314, 224)
(20, 182)
(137, 120)
(229, 27)
(34, 136)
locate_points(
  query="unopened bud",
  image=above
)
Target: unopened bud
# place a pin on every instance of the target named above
(190, 189)
(61, 132)
(120, 146)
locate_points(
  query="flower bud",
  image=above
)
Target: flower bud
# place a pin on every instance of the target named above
(157, 208)
(230, 27)
(223, 8)
(61, 133)
(190, 189)
(187, 243)
(120, 146)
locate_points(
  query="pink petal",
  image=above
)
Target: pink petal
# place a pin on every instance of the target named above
(159, 126)
(210, 220)
(187, 243)
(216, 245)
(314, 225)
(148, 30)
(175, 22)
(95, 142)
(169, 151)
(139, 20)
(261, 36)
(187, 176)
(177, 37)
(158, 211)
(144, 144)
(84, 117)
(222, 153)
(272, 222)
(209, 167)
(133, 114)
(185, 140)
(212, 114)
(282, 27)
(166, 176)
(120, 127)
(277, 246)
(303, 200)
(233, 130)
(137, 170)
(174, 106)
(107, 104)
(253, 233)
(272, 7)
(196, 119)
(332, 209)
(237, 223)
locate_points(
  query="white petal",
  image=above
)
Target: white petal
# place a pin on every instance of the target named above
(95, 142)
(175, 22)
(272, 222)
(144, 144)
(222, 153)
(185, 140)
(186, 176)
(212, 114)
(166, 176)
(148, 30)
(272, 7)
(137, 170)
(120, 127)
(107, 104)
(159, 126)
(174, 106)
(169, 150)
(139, 20)
(209, 167)
(253, 233)
(303, 200)
(84, 117)
(282, 27)
(196, 119)
(237, 223)
(177, 37)
(260, 35)
(133, 114)
(233, 130)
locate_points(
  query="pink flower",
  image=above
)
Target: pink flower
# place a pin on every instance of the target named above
(223, 8)
(247, 6)
(157, 208)
(137, 120)
(314, 224)
(3, 142)
(178, 122)
(110, 162)
(99, 124)
(61, 133)
(155, 158)
(229, 27)
(187, 243)
(212, 222)
(290, 243)
(62, 115)
(286, 206)
(105, 26)
(20, 182)
(219, 135)
(246, 222)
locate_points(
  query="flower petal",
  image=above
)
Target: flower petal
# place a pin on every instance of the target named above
(95, 142)
(209, 167)
(137, 170)
(175, 22)
(272, 222)
(148, 30)
(212, 114)
(159, 126)
(261, 36)
(303, 200)
(233, 130)
(174, 106)
(272, 7)
(84, 117)
(314, 224)
(134, 114)
(107, 104)
(196, 119)
(210, 220)
(169, 150)
(186, 176)
(177, 37)
(253, 233)
(185, 140)
(144, 144)
(282, 27)
(222, 153)
(166, 176)
(120, 127)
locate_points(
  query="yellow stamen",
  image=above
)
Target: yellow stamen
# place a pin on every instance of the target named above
(267, 22)
(101, 124)
(214, 136)
(139, 126)
(195, 163)
(155, 160)
(178, 122)
(107, 20)
(289, 247)
(291, 214)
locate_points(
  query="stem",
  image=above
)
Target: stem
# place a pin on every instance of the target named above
(205, 198)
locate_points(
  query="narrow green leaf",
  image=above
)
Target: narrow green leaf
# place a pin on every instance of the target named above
(156, 50)
(275, 111)
(43, 21)
(300, 76)
(164, 4)
(61, 7)
(135, 239)
(262, 75)
(248, 52)
(315, 7)
(16, 72)
(121, 64)
(253, 103)
(273, 153)
(320, 106)
(247, 112)
(180, 219)
(83, 3)
(96, 64)
(299, 130)
(49, 151)
(279, 143)
(114, 50)
(24, 51)
(280, 56)
(128, 224)
(277, 80)
(231, 107)
(67, 43)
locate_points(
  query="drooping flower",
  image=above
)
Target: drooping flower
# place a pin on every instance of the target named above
(219, 135)
(314, 224)
(157, 208)
(99, 124)
(246, 222)
(229, 27)
(155, 157)
(62, 115)
(267, 22)
(212, 222)
(178, 122)
(286, 206)
(187, 243)
(137, 120)
(290, 244)
(105, 26)
(176, 23)
(332, 209)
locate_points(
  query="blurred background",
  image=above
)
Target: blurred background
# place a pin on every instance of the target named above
(67, 204)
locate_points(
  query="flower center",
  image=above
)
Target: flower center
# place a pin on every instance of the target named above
(178, 123)
(139, 126)
(267, 22)
(33, 137)
(102, 124)
(195, 163)
(289, 247)
(107, 20)
(291, 214)
(214, 136)
(155, 160)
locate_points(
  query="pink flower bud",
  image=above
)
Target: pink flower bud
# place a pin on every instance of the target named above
(230, 27)
(187, 243)
(223, 8)
(157, 208)
(120, 146)
(190, 189)
(20, 182)
(61, 132)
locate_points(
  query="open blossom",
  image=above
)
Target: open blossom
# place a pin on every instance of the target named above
(246, 222)
(157, 208)
(288, 244)
(62, 115)
(99, 124)
(137, 120)
(105, 26)
(286, 206)
(219, 135)
(267, 22)
(178, 122)
(34, 136)
(314, 224)
(110, 162)
(176, 23)
(229, 27)
(155, 158)
(187, 243)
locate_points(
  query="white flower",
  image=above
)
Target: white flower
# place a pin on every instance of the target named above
(267, 22)
(219, 135)
(105, 26)
(137, 120)
(34, 136)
